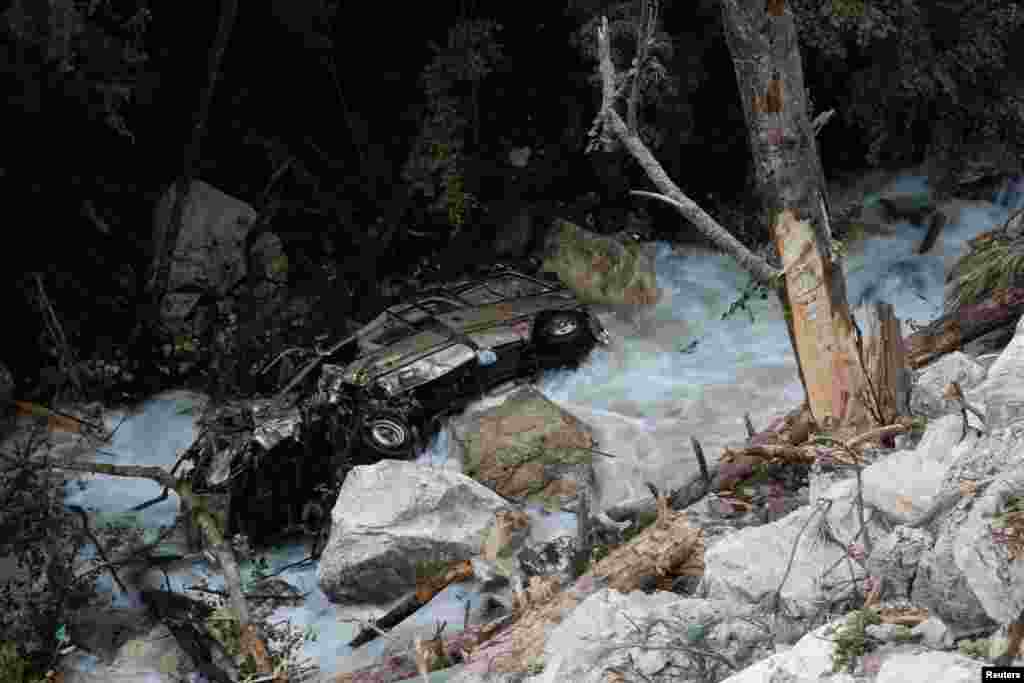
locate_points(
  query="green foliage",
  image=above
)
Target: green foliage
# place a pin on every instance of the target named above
(919, 66)
(978, 649)
(850, 639)
(73, 37)
(435, 165)
(429, 568)
(753, 289)
(46, 540)
(995, 264)
(14, 668)
(643, 520)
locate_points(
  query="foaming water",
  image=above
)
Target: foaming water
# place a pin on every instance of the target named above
(673, 371)
(653, 389)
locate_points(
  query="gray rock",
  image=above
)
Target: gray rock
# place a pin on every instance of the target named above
(1004, 387)
(391, 516)
(894, 558)
(934, 633)
(927, 394)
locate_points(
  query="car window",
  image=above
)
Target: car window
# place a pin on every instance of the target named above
(417, 317)
(500, 288)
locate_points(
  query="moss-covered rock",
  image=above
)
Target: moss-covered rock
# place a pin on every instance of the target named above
(600, 269)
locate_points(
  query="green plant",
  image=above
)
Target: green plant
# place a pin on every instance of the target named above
(535, 666)
(994, 264)
(435, 166)
(752, 289)
(920, 77)
(978, 649)
(643, 520)
(429, 568)
(14, 668)
(851, 639)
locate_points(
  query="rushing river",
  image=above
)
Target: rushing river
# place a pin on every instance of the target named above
(674, 371)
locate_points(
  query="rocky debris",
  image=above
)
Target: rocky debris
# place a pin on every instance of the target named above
(813, 659)
(929, 395)
(154, 655)
(1004, 384)
(395, 514)
(895, 558)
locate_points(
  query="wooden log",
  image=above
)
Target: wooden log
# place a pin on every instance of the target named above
(424, 593)
(670, 547)
(953, 330)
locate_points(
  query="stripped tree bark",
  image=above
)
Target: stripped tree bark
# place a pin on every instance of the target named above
(763, 41)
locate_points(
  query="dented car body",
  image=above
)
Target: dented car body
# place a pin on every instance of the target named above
(420, 360)
(383, 392)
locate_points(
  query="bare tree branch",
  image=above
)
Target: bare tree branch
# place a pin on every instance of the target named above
(611, 126)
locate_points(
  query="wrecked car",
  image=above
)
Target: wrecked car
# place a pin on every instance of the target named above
(421, 360)
(383, 391)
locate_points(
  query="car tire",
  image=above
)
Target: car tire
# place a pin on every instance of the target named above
(561, 329)
(387, 433)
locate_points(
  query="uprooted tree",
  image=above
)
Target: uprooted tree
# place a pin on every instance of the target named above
(762, 39)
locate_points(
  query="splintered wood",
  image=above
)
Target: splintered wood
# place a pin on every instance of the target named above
(668, 548)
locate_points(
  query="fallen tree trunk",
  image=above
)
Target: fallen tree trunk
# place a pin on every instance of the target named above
(668, 548)
(953, 330)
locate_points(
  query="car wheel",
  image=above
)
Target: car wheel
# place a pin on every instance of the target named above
(562, 328)
(387, 433)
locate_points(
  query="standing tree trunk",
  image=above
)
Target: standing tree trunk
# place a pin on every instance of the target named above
(763, 42)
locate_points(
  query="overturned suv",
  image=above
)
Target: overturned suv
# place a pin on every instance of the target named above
(383, 391)
(421, 360)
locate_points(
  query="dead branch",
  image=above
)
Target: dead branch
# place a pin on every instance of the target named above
(823, 505)
(644, 38)
(821, 119)
(252, 643)
(955, 393)
(749, 425)
(610, 126)
(99, 547)
(698, 452)
(68, 364)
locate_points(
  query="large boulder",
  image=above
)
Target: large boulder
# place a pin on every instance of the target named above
(905, 484)
(394, 515)
(928, 397)
(811, 660)
(942, 588)
(1004, 385)
(989, 547)
(751, 564)
(209, 256)
(527, 449)
(601, 269)
(662, 635)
